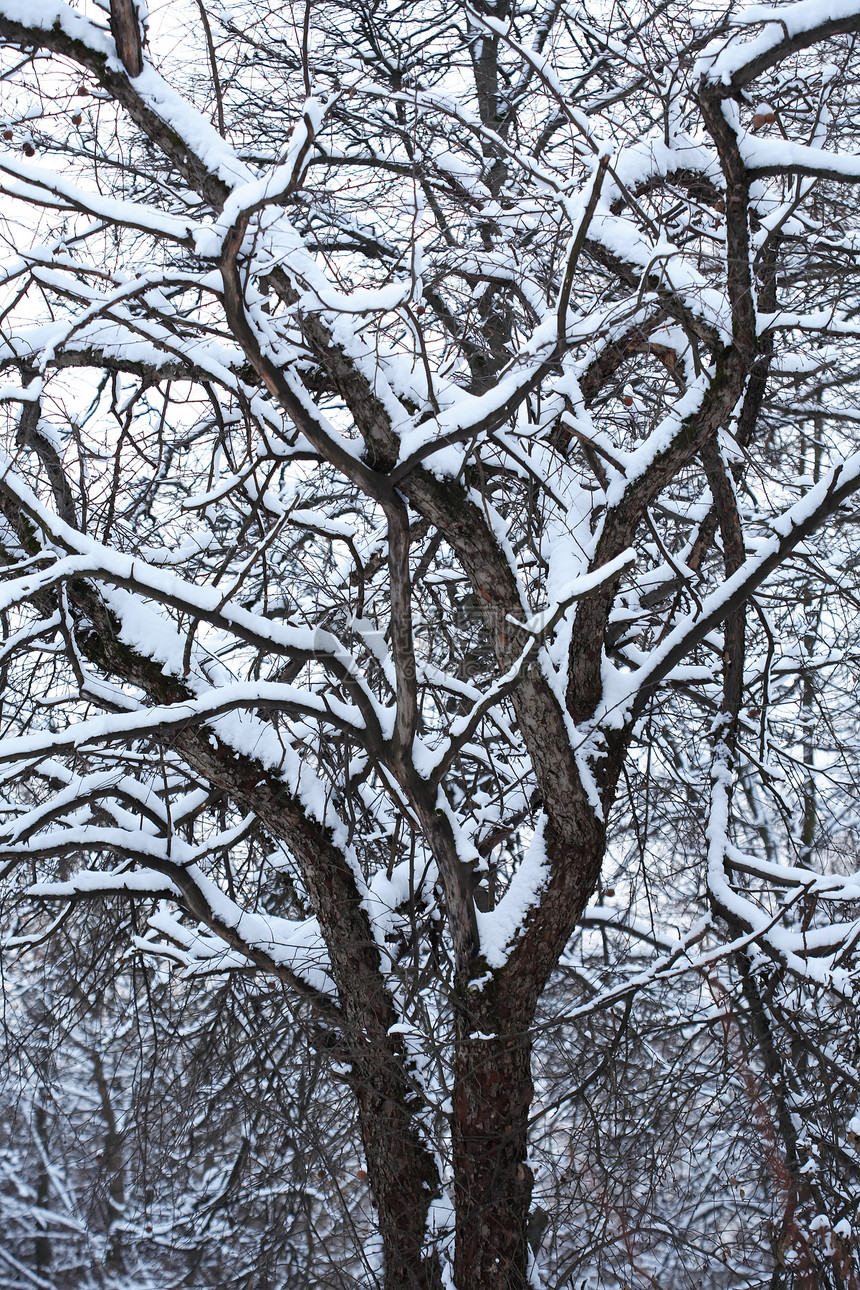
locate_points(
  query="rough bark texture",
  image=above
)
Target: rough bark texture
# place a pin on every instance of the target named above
(125, 28)
(492, 1181)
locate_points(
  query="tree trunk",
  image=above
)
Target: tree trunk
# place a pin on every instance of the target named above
(403, 1180)
(492, 1181)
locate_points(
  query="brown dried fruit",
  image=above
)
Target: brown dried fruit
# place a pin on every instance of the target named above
(627, 400)
(77, 119)
(7, 134)
(419, 310)
(763, 118)
(29, 150)
(83, 91)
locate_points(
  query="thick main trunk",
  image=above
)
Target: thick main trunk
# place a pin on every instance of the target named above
(492, 1180)
(493, 1087)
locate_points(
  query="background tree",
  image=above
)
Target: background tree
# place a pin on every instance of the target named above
(428, 591)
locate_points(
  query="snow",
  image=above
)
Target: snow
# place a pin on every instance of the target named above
(163, 587)
(652, 156)
(296, 945)
(36, 182)
(200, 136)
(499, 927)
(723, 60)
(664, 260)
(796, 949)
(621, 687)
(202, 139)
(43, 15)
(196, 632)
(781, 155)
(467, 413)
(578, 587)
(133, 882)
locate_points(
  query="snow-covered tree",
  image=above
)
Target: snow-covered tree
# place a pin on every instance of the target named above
(429, 606)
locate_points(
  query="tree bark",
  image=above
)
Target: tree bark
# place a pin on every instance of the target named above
(492, 1180)
(403, 1181)
(125, 28)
